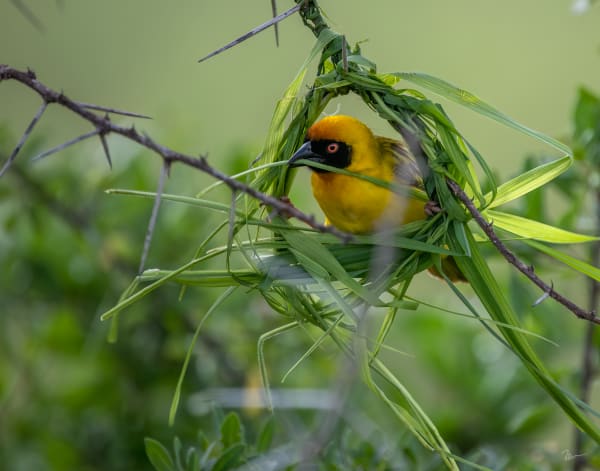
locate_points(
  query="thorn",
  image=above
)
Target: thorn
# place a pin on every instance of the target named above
(65, 145)
(61, 97)
(252, 32)
(29, 15)
(24, 137)
(91, 106)
(276, 26)
(105, 147)
(31, 74)
(544, 296)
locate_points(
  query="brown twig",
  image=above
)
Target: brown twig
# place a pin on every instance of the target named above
(103, 126)
(511, 258)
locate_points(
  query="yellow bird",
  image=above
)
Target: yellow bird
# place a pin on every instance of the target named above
(356, 205)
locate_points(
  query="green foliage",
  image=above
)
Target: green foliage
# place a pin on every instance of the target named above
(312, 278)
(229, 451)
(68, 399)
(232, 449)
(318, 286)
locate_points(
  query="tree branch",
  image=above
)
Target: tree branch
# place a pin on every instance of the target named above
(511, 258)
(103, 126)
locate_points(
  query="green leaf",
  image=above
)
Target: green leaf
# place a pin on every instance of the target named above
(278, 129)
(265, 435)
(177, 448)
(230, 458)
(528, 181)
(531, 229)
(158, 455)
(207, 278)
(579, 265)
(319, 256)
(192, 460)
(231, 430)
(470, 101)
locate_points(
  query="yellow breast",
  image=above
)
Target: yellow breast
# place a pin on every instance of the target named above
(359, 207)
(356, 205)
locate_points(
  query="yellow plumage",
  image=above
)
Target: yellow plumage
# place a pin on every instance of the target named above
(359, 206)
(353, 204)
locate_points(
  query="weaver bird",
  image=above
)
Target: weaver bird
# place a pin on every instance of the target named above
(356, 205)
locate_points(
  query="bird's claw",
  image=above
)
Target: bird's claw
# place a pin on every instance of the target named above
(432, 208)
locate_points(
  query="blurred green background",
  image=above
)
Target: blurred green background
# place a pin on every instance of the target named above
(71, 400)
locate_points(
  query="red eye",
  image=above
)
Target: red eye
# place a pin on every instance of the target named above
(333, 147)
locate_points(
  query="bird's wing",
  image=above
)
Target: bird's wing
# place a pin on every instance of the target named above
(405, 166)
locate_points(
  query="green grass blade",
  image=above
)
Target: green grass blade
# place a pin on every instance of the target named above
(262, 365)
(480, 318)
(324, 265)
(384, 330)
(413, 415)
(250, 171)
(579, 265)
(201, 248)
(530, 229)
(191, 200)
(470, 101)
(316, 344)
(113, 332)
(188, 356)
(278, 128)
(207, 278)
(528, 181)
(157, 284)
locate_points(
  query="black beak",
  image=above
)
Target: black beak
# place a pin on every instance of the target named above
(305, 153)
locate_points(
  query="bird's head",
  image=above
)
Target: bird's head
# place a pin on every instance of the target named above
(333, 141)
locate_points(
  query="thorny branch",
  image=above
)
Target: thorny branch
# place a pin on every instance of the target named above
(511, 258)
(104, 126)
